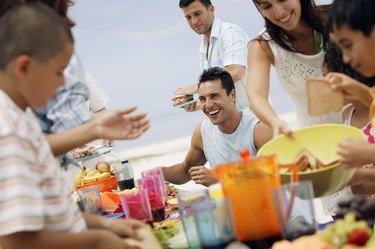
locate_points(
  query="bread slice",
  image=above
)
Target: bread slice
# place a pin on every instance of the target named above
(321, 98)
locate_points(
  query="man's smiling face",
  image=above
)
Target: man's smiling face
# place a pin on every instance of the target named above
(215, 102)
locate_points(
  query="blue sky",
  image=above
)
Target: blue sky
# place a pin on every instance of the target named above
(140, 51)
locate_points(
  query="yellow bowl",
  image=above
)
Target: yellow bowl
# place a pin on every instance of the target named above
(322, 141)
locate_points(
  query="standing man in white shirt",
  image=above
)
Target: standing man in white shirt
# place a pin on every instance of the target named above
(223, 45)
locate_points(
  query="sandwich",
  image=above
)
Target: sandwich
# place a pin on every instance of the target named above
(182, 99)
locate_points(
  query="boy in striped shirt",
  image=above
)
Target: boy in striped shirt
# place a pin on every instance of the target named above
(36, 210)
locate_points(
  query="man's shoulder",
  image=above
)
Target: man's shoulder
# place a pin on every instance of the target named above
(224, 26)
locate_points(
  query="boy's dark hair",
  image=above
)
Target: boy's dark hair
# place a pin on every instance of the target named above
(60, 6)
(334, 63)
(217, 73)
(356, 14)
(186, 3)
(32, 29)
(312, 15)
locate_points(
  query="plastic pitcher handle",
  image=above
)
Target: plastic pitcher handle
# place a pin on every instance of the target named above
(293, 179)
(245, 154)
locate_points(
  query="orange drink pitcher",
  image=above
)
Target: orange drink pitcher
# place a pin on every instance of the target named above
(248, 183)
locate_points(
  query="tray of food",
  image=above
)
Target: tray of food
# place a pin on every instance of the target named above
(88, 151)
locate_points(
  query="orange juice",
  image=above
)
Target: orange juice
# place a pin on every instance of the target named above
(248, 185)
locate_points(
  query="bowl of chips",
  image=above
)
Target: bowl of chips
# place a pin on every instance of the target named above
(317, 147)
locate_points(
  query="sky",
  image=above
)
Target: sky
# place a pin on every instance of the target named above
(139, 52)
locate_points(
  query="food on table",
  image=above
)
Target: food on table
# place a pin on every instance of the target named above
(346, 231)
(306, 160)
(172, 202)
(83, 151)
(321, 98)
(171, 190)
(182, 99)
(89, 176)
(165, 230)
(103, 166)
(304, 242)
(362, 207)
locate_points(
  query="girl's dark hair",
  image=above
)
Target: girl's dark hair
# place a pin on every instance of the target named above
(312, 15)
(358, 15)
(333, 63)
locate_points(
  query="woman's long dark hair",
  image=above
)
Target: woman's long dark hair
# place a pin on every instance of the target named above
(312, 15)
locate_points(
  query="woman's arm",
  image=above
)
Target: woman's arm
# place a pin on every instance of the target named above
(260, 59)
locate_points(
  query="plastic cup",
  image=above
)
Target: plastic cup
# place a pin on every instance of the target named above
(158, 172)
(90, 199)
(154, 188)
(294, 209)
(136, 205)
(214, 221)
(185, 201)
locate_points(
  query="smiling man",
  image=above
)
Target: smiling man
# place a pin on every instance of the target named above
(219, 139)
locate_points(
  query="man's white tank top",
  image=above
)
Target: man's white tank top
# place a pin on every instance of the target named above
(220, 148)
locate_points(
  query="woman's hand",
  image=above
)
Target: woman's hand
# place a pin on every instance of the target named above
(279, 127)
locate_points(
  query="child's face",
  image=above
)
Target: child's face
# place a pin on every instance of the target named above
(44, 79)
(357, 49)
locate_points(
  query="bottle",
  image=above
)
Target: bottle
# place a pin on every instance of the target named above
(125, 175)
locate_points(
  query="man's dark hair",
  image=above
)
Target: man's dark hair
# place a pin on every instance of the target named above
(334, 63)
(217, 73)
(312, 15)
(358, 15)
(186, 3)
(32, 29)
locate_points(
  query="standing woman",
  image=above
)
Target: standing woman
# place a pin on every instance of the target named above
(292, 43)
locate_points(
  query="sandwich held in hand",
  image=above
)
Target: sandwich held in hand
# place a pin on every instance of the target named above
(182, 99)
(321, 98)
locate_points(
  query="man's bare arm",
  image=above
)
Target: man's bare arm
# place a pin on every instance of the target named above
(179, 173)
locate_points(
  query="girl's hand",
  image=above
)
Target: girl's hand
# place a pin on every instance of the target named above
(356, 152)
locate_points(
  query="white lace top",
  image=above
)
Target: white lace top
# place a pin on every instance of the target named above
(292, 69)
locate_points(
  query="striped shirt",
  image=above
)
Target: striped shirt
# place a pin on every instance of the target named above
(227, 46)
(33, 196)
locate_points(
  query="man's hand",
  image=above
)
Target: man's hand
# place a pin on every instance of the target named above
(186, 90)
(121, 124)
(356, 152)
(201, 175)
(107, 142)
(192, 107)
